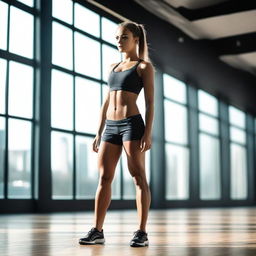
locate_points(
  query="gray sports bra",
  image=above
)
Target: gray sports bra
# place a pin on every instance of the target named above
(127, 80)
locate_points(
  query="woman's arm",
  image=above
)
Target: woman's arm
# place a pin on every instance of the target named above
(147, 74)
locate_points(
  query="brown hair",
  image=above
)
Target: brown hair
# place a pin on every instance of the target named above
(138, 30)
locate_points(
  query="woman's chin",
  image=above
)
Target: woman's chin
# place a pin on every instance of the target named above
(120, 49)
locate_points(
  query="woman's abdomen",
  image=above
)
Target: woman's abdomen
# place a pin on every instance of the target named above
(121, 106)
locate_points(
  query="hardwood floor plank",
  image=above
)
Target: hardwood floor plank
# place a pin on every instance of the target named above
(200, 232)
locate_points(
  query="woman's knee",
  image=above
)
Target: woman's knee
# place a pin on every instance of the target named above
(140, 180)
(105, 179)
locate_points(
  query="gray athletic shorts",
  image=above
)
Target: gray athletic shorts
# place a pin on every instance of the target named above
(130, 128)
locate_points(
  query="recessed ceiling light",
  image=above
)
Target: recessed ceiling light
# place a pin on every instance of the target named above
(180, 39)
(238, 43)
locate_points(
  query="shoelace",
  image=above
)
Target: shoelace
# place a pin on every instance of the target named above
(90, 232)
(139, 233)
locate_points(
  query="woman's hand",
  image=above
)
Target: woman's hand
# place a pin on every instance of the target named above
(145, 142)
(96, 143)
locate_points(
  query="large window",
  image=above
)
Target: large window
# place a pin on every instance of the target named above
(54, 65)
(238, 154)
(209, 147)
(16, 99)
(176, 139)
(82, 52)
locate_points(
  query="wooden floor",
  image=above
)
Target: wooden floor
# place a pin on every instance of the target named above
(200, 232)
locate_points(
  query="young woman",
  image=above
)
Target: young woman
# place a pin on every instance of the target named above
(125, 128)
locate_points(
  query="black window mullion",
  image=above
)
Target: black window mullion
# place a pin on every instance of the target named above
(44, 115)
(250, 158)
(74, 104)
(33, 142)
(6, 169)
(224, 151)
(193, 141)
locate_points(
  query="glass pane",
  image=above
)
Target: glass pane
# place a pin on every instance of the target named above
(108, 30)
(62, 100)
(20, 90)
(175, 117)
(27, 2)
(62, 52)
(238, 172)
(129, 188)
(147, 165)
(105, 91)
(2, 152)
(207, 103)
(62, 165)
(210, 179)
(63, 10)
(237, 135)
(87, 173)
(250, 127)
(236, 117)
(87, 56)
(174, 88)
(116, 183)
(3, 25)
(87, 99)
(21, 32)
(177, 172)
(208, 124)
(110, 56)
(2, 85)
(141, 104)
(87, 20)
(19, 159)
(129, 191)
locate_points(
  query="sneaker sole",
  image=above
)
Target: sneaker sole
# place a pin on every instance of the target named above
(96, 241)
(133, 244)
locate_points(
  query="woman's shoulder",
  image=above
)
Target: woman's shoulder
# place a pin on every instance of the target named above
(113, 64)
(146, 66)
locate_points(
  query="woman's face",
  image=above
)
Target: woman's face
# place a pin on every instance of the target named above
(125, 40)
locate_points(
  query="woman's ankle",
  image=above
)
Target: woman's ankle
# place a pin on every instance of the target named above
(99, 229)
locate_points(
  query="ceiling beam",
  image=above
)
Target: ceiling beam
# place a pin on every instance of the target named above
(234, 44)
(216, 10)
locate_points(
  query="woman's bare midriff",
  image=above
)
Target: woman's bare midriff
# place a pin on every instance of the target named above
(122, 104)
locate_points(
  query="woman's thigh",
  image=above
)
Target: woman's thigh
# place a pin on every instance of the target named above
(108, 156)
(135, 158)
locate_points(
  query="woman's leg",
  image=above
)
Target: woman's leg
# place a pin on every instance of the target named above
(136, 166)
(108, 156)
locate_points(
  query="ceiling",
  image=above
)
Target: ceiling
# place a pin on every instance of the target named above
(228, 26)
